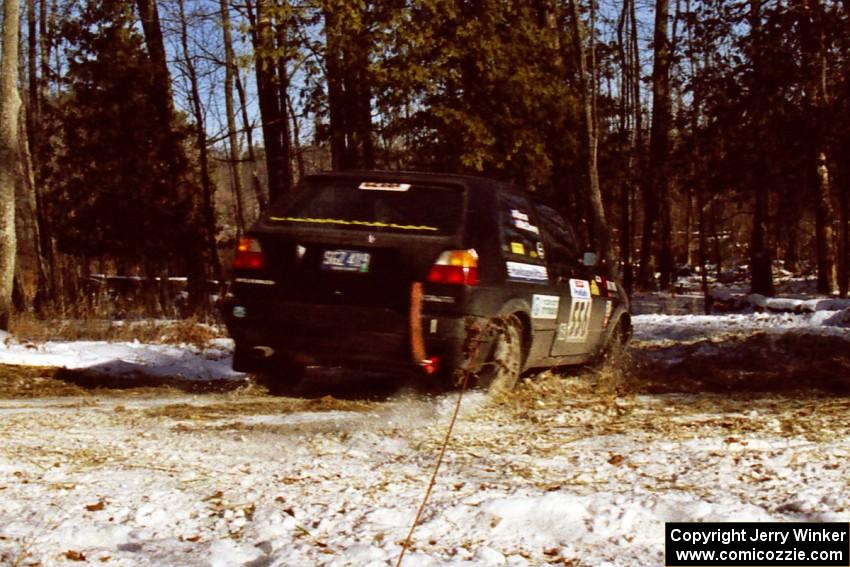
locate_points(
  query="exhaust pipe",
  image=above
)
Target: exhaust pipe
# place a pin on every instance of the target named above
(262, 352)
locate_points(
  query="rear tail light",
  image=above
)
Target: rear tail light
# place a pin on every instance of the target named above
(455, 267)
(249, 255)
(430, 365)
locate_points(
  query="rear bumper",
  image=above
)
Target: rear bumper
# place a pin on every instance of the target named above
(338, 335)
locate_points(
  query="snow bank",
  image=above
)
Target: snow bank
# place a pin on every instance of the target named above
(692, 327)
(125, 358)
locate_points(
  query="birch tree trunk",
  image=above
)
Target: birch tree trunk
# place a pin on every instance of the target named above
(10, 103)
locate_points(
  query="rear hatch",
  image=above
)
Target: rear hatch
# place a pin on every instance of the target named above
(358, 241)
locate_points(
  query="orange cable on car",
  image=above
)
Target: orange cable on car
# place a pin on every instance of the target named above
(417, 343)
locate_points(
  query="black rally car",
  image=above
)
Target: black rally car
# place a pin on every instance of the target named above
(391, 270)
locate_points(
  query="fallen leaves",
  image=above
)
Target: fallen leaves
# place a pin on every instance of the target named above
(97, 507)
(72, 555)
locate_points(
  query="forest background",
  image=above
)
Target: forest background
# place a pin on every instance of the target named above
(141, 138)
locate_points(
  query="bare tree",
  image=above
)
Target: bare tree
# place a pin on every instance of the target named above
(249, 139)
(203, 150)
(10, 103)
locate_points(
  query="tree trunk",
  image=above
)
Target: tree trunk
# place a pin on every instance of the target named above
(761, 258)
(637, 136)
(272, 114)
(229, 67)
(262, 203)
(358, 104)
(844, 230)
(149, 16)
(201, 137)
(703, 267)
(336, 101)
(626, 125)
(657, 190)
(10, 103)
(296, 139)
(37, 29)
(599, 224)
(823, 227)
(281, 33)
(814, 65)
(717, 248)
(34, 110)
(347, 51)
(31, 206)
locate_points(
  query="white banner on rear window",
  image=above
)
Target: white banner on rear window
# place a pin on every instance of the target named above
(369, 186)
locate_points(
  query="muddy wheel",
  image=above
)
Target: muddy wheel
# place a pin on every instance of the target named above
(501, 371)
(616, 344)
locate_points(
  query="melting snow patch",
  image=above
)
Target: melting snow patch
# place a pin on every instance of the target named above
(126, 358)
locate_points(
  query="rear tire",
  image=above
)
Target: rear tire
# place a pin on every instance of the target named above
(503, 367)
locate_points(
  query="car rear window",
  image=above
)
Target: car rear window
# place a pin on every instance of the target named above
(375, 206)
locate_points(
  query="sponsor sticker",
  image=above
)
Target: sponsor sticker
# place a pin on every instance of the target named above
(526, 272)
(545, 306)
(609, 307)
(517, 248)
(577, 326)
(540, 251)
(612, 286)
(526, 226)
(519, 215)
(580, 289)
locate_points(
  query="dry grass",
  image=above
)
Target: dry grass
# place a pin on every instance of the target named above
(34, 382)
(255, 406)
(27, 328)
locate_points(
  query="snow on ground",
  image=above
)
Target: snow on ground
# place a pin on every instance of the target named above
(576, 479)
(572, 471)
(125, 358)
(690, 327)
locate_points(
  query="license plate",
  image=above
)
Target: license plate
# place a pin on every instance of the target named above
(346, 261)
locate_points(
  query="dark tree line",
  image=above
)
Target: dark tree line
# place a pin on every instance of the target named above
(155, 130)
